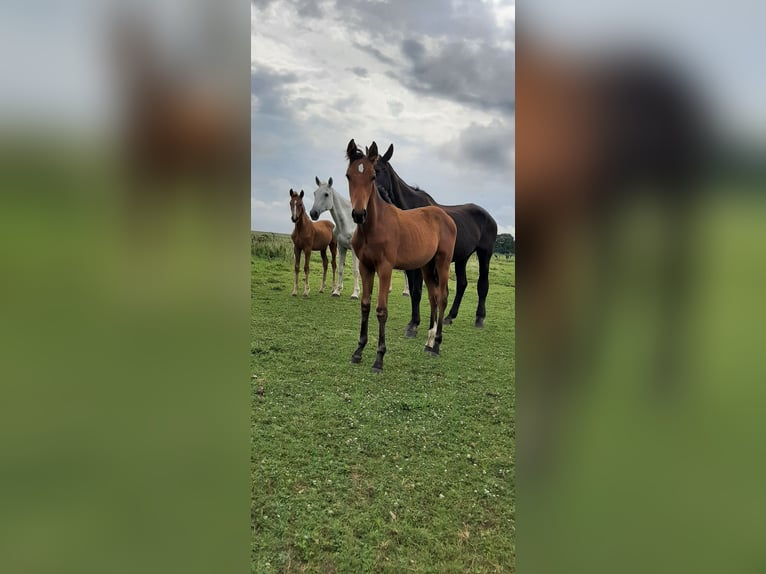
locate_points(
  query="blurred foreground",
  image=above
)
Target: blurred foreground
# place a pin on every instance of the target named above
(641, 220)
(124, 224)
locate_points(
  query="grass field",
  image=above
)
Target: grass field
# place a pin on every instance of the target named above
(408, 471)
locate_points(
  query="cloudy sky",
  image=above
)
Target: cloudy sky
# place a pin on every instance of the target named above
(434, 78)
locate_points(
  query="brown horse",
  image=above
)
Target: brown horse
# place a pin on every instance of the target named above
(388, 238)
(307, 237)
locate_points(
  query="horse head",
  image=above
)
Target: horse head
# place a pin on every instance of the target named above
(361, 179)
(322, 198)
(296, 206)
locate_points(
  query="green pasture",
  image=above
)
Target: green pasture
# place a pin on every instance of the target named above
(411, 470)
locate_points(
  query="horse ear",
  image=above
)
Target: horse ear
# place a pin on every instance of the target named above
(389, 153)
(329, 182)
(316, 179)
(372, 153)
(351, 149)
(291, 192)
(301, 193)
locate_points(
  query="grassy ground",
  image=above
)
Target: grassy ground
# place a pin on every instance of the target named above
(408, 471)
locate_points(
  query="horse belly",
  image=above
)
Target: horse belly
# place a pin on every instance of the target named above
(415, 251)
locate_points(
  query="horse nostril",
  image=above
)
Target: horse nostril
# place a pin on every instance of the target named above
(358, 216)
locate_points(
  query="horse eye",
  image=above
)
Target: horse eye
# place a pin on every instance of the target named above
(347, 177)
(327, 195)
(372, 178)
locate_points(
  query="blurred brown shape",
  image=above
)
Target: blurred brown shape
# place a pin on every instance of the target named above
(185, 129)
(595, 136)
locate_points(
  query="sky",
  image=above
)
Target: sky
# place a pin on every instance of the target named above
(434, 78)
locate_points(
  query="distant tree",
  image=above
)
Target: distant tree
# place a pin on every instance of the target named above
(505, 244)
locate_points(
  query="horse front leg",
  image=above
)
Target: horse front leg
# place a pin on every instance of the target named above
(382, 312)
(306, 256)
(415, 279)
(367, 279)
(462, 283)
(355, 272)
(324, 269)
(333, 262)
(297, 255)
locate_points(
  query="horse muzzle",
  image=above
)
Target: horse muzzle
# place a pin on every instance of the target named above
(359, 217)
(314, 215)
(293, 219)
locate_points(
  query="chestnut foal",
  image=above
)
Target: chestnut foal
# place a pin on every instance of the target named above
(388, 238)
(308, 237)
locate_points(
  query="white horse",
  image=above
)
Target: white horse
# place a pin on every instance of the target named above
(326, 198)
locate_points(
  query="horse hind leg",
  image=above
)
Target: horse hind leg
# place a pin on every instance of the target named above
(482, 286)
(462, 283)
(415, 279)
(324, 269)
(334, 253)
(442, 272)
(406, 291)
(429, 277)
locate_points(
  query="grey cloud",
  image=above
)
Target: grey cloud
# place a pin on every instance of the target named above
(270, 87)
(305, 8)
(489, 146)
(373, 51)
(413, 49)
(481, 75)
(344, 104)
(359, 71)
(395, 108)
(388, 21)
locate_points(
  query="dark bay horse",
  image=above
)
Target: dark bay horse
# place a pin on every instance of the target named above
(476, 232)
(388, 238)
(307, 237)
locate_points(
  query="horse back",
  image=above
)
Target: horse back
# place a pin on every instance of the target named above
(323, 234)
(476, 228)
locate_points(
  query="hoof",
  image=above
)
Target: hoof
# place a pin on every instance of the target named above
(294, 294)
(405, 294)
(355, 360)
(377, 370)
(447, 320)
(334, 294)
(431, 351)
(355, 296)
(479, 322)
(305, 295)
(411, 332)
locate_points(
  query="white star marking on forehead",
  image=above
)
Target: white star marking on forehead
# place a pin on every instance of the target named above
(361, 168)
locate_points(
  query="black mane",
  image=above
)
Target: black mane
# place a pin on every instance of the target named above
(400, 193)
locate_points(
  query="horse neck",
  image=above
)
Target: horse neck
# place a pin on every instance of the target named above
(303, 222)
(376, 211)
(341, 212)
(405, 196)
